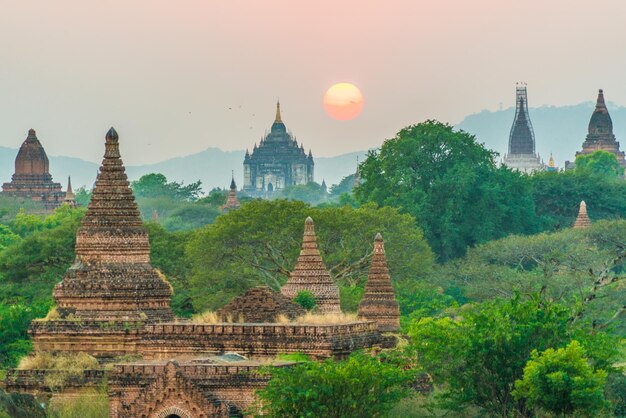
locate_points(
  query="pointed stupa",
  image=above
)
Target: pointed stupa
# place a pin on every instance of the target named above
(310, 274)
(111, 278)
(379, 302)
(231, 201)
(582, 220)
(69, 199)
(278, 118)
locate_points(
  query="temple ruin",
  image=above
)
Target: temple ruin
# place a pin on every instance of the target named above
(582, 220)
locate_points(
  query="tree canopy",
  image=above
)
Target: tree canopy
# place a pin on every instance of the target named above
(599, 162)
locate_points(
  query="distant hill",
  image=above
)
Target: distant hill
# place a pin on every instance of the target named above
(560, 130)
(212, 166)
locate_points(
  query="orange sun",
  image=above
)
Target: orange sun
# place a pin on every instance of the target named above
(343, 101)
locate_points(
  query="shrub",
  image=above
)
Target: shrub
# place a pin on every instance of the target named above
(306, 299)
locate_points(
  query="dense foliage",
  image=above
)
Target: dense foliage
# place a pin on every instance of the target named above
(450, 184)
(259, 244)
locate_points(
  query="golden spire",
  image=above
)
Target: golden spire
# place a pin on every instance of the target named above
(551, 162)
(278, 118)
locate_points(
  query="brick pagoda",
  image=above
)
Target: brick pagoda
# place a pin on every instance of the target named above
(69, 198)
(310, 274)
(582, 220)
(379, 302)
(231, 202)
(32, 179)
(111, 278)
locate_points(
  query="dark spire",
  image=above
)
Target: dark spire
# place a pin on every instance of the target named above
(600, 124)
(233, 185)
(522, 137)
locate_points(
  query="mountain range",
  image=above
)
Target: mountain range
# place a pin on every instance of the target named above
(559, 130)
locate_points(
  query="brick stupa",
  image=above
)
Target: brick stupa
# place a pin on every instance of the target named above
(379, 302)
(111, 278)
(231, 202)
(582, 220)
(69, 198)
(310, 274)
(32, 179)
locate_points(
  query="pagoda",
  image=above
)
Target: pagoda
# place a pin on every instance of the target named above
(582, 220)
(522, 155)
(231, 201)
(69, 198)
(32, 179)
(600, 133)
(379, 302)
(310, 274)
(277, 162)
(111, 278)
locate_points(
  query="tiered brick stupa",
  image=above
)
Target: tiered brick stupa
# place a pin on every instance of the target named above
(32, 179)
(379, 302)
(582, 220)
(111, 278)
(310, 274)
(231, 202)
(600, 133)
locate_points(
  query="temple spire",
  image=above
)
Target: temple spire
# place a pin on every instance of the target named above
(379, 302)
(278, 118)
(69, 198)
(582, 220)
(600, 104)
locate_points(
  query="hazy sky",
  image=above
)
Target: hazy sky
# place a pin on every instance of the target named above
(176, 77)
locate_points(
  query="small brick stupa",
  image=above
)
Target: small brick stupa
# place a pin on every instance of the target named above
(310, 274)
(32, 179)
(231, 202)
(582, 220)
(379, 302)
(69, 198)
(111, 278)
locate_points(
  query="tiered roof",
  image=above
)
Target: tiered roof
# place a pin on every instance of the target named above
(582, 220)
(111, 277)
(379, 302)
(310, 274)
(231, 202)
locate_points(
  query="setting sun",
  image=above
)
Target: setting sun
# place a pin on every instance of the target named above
(343, 101)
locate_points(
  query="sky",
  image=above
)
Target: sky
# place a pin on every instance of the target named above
(177, 77)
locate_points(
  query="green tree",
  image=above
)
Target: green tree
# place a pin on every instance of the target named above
(311, 193)
(599, 162)
(480, 353)
(557, 196)
(562, 382)
(259, 244)
(83, 196)
(305, 299)
(450, 184)
(361, 386)
(344, 186)
(156, 185)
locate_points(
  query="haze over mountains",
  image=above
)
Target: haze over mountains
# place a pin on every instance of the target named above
(560, 130)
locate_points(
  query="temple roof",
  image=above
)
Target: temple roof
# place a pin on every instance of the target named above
(521, 138)
(600, 124)
(31, 158)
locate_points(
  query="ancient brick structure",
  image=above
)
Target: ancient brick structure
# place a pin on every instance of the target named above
(379, 302)
(277, 162)
(600, 133)
(231, 201)
(310, 274)
(32, 179)
(258, 341)
(188, 389)
(111, 278)
(69, 198)
(582, 220)
(258, 305)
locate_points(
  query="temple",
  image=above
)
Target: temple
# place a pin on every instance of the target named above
(231, 201)
(379, 302)
(69, 198)
(600, 133)
(582, 220)
(114, 306)
(277, 162)
(32, 179)
(522, 155)
(310, 274)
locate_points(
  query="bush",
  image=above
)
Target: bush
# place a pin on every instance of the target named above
(305, 299)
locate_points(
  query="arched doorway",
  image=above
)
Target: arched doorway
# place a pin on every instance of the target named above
(270, 187)
(173, 412)
(173, 416)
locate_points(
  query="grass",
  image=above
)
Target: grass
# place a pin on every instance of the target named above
(92, 403)
(325, 319)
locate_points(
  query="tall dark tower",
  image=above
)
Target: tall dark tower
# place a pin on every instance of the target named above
(522, 155)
